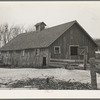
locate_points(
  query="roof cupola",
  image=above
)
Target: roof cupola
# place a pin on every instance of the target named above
(40, 26)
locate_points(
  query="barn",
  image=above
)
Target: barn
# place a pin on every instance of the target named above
(68, 41)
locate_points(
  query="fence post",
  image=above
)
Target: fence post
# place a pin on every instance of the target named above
(85, 61)
(93, 73)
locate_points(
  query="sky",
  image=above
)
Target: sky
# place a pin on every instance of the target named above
(53, 13)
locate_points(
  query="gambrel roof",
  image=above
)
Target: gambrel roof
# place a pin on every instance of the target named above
(38, 39)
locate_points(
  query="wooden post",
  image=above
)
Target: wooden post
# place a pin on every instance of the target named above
(47, 80)
(93, 73)
(85, 62)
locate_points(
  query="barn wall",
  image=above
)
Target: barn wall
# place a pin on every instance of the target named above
(63, 42)
(30, 59)
(74, 36)
(79, 37)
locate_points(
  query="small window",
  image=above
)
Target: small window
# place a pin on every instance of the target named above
(7, 54)
(74, 50)
(57, 50)
(37, 52)
(23, 53)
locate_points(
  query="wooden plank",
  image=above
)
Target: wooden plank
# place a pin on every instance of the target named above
(58, 63)
(66, 60)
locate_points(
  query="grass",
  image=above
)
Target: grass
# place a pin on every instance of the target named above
(52, 84)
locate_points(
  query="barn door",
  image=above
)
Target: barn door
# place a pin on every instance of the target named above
(44, 61)
(83, 50)
(73, 52)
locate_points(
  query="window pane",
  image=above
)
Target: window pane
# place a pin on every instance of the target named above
(37, 51)
(74, 51)
(57, 50)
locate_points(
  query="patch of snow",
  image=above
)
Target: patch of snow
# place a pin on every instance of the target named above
(13, 75)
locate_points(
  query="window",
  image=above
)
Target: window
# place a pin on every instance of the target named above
(7, 54)
(74, 50)
(44, 61)
(37, 52)
(23, 53)
(57, 50)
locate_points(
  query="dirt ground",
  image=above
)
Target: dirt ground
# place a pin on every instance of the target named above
(8, 76)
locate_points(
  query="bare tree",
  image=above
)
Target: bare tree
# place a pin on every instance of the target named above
(14, 31)
(30, 28)
(3, 32)
(9, 32)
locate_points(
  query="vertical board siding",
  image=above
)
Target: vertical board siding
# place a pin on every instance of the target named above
(63, 42)
(30, 59)
(81, 38)
(74, 36)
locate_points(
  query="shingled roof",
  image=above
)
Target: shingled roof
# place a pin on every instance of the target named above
(37, 39)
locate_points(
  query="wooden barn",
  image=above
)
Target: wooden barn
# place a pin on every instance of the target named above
(68, 41)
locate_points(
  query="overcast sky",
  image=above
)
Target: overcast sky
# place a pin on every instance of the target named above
(53, 13)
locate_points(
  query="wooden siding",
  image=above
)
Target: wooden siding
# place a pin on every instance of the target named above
(63, 42)
(30, 59)
(74, 36)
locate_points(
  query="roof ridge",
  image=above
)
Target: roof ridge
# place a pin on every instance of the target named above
(74, 21)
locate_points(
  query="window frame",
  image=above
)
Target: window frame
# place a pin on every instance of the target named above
(23, 53)
(59, 50)
(7, 54)
(37, 52)
(70, 49)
